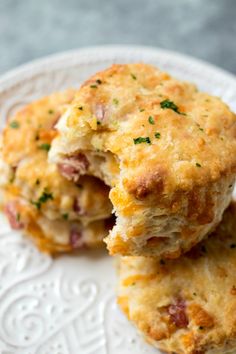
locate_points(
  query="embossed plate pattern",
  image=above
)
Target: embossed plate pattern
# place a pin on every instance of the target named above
(67, 305)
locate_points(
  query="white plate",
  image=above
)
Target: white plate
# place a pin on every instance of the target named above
(67, 305)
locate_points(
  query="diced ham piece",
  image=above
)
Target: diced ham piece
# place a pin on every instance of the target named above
(68, 171)
(178, 314)
(13, 216)
(74, 166)
(76, 239)
(77, 208)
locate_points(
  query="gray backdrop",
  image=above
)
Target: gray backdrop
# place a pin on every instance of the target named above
(33, 28)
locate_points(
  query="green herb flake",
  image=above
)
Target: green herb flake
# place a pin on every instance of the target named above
(115, 101)
(141, 140)
(198, 164)
(42, 199)
(157, 135)
(14, 124)
(36, 204)
(80, 108)
(167, 104)
(45, 147)
(12, 179)
(151, 120)
(93, 86)
(50, 111)
(194, 294)
(202, 130)
(65, 216)
(18, 217)
(141, 109)
(99, 82)
(133, 76)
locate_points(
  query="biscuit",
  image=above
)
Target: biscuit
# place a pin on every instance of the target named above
(167, 151)
(59, 214)
(186, 305)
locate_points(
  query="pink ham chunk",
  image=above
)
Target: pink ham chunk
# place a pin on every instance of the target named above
(13, 216)
(177, 312)
(74, 166)
(76, 240)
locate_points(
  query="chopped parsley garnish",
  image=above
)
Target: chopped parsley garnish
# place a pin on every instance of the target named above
(37, 182)
(167, 104)
(45, 147)
(151, 120)
(14, 124)
(202, 130)
(80, 108)
(157, 135)
(133, 76)
(43, 199)
(115, 101)
(50, 111)
(99, 82)
(93, 86)
(141, 109)
(12, 178)
(65, 216)
(198, 164)
(18, 217)
(141, 140)
(233, 245)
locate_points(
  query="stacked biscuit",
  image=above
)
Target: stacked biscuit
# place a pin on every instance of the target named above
(58, 214)
(166, 155)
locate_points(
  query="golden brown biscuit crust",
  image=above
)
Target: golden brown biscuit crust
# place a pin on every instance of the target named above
(167, 150)
(36, 194)
(188, 305)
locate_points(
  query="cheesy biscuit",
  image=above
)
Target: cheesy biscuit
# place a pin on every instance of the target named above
(187, 305)
(59, 214)
(167, 151)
